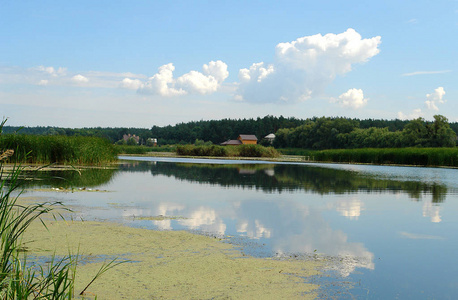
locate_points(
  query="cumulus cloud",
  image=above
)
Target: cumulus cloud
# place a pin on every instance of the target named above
(415, 114)
(216, 69)
(435, 98)
(353, 98)
(131, 84)
(304, 67)
(164, 84)
(43, 82)
(80, 79)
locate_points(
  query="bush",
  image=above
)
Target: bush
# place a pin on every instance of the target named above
(225, 151)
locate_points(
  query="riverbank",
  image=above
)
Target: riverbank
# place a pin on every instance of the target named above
(169, 264)
(282, 158)
(291, 159)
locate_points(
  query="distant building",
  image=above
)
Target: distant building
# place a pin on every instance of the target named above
(129, 136)
(270, 138)
(151, 142)
(248, 139)
(243, 139)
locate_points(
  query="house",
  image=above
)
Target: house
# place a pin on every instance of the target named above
(243, 139)
(129, 136)
(248, 139)
(151, 142)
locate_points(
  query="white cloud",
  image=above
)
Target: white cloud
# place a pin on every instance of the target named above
(80, 79)
(197, 83)
(164, 84)
(353, 98)
(426, 72)
(131, 84)
(416, 113)
(435, 98)
(416, 236)
(216, 69)
(51, 71)
(43, 82)
(304, 67)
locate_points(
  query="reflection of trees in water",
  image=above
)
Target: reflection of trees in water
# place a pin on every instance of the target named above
(69, 178)
(280, 178)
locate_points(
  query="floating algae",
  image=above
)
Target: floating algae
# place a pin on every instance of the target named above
(170, 264)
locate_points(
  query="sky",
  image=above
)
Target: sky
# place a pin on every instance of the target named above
(144, 63)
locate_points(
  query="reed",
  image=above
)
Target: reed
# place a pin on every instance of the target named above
(18, 278)
(17, 281)
(58, 149)
(400, 156)
(127, 149)
(227, 151)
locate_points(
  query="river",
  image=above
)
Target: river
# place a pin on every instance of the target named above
(388, 232)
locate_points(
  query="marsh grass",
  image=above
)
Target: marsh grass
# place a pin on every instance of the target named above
(58, 149)
(18, 278)
(17, 281)
(227, 151)
(401, 156)
(140, 149)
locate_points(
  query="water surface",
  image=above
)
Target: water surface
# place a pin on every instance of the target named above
(391, 231)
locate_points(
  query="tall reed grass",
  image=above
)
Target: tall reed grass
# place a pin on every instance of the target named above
(17, 281)
(401, 156)
(18, 278)
(227, 151)
(58, 149)
(127, 149)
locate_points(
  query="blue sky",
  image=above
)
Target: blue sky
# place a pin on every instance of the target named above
(145, 63)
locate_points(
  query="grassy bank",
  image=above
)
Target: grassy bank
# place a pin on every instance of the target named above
(227, 151)
(58, 149)
(127, 149)
(402, 156)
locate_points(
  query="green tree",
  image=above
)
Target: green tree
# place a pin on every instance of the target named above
(131, 142)
(415, 133)
(441, 135)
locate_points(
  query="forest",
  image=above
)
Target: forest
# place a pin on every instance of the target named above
(311, 133)
(342, 133)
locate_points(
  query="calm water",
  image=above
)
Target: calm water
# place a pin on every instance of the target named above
(389, 231)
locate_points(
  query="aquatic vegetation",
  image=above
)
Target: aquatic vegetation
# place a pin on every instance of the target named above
(227, 151)
(58, 149)
(127, 149)
(20, 279)
(17, 280)
(401, 156)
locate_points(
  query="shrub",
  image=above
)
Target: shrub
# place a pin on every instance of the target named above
(224, 151)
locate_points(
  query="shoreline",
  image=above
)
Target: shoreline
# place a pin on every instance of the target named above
(282, 158)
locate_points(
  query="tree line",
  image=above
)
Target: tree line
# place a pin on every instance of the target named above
(343, 133)
(311, 133)
(110, 133)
